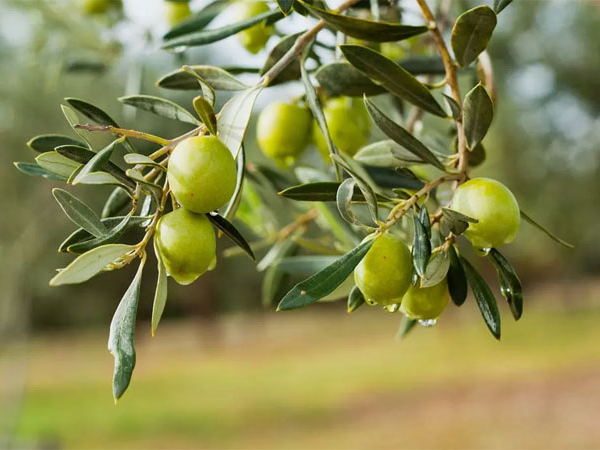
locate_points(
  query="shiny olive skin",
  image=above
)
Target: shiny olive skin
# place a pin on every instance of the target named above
(202, 174)
(384, 274)
(254, 38)
(176, 12)
(187, 244)
(425, 303)
(283, 131)
(494, 206)
(93, 7)
(348, 124)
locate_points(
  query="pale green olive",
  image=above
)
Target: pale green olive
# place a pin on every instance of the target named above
(425, 303)
(384, 274)
(186, 242)
(177, 12)
(348, 124)
(283, 131)
(495, 208)
(202, 174)
(255, 37)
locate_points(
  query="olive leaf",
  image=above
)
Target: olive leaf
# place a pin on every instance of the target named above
(73, 120)
(401, 136)
(510, 285)
(478, 112)
(276, 252)
(454, 107)
(48, 142)
(344, 200)
(355, 300)
(234, 118)
(499, 5)
(142, 160)
(204, 37)
(198, 20)
(325, 281)
(161, 107)
(206, 113)
(406, 326)
(96, 163)
(34, 170)
(216, 77)
(292, 71)
(320, 191)
(421, 250)
(227, 227)
(457, 280)
(285, 5)
(545, 230)
(274, 275)
(118, 199)
(160, 293)
(391, 76)
(57, 164)
(121, 337)
(236, 198)
(368, 30)
(207, 91)
(304, 264)
(471, 33)
(153, 189)
(386, 154)
(436, 270)
(485, 299)
(96, 115)
(342, 78)
(90, 264)
(109, 237)
(80, 213)
(457, 222)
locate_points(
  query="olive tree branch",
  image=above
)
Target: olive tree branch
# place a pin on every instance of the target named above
(452, 80)
(124, 132)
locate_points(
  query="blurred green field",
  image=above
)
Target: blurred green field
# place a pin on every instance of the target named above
(322, 379)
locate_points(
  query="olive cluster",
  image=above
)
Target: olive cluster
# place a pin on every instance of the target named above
(202, 178)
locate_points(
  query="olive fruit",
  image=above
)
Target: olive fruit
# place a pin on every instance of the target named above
(177, 12)
(384, 274)
(202, 173)
(425, 303)
(93, 7)
(283, 130)
(348, 125)
(495, 208)
(255, 37)
(186, 243)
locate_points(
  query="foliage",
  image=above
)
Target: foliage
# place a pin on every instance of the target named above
(375, 191)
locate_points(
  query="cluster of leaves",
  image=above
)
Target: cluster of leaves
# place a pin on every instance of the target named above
(335, 206)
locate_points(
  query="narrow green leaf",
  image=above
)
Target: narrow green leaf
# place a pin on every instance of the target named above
(48, 142)
(285, 5)
(510, 285)
(387, 154)
(478, 112)
(100, 178)
(109, 237)
(274, 276)
(344, 200)
(457, 280)
(292, 71)
(73, 120)
(485, 299)
(160, 293)
(227, 227)
(198, 20)
(32, 169)
(207, 91)
(401, 136)
(142, 160)
(116, 202)
(355, 300)
(153, 189)
(84, 155)
(219, 79)
(406, 326)
(545, 230)
(320, 191)
(90, 264)
(57, 164)
(391, 76)
(80, 213)
(304, 264)
(121, 337)
(436, 270)
(454, 107)
(276, 252)
(234, 118)
(206, 113)
(472, 33)
(341, 78)
(499, 5)
(368, 30)
(421, 250)
(363, 185)
(95, 164)
(161, 107)
(234, 203)
(325, 281)
(457, 222)
(204, 37)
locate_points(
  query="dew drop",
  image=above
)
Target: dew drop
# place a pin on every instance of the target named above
(392, 308)
(427, 323)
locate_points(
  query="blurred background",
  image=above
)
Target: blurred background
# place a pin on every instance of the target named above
(225, 373)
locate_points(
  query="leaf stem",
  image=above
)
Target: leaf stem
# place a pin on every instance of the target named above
(123, 132)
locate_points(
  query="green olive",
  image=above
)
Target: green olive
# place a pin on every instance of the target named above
(177, 12)
(283, 131)
(94, 7)
(186, 242)
(348, 124)
(495, 208)
(202, 174)
(384, 274)
(425, 303)
(255, 37)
